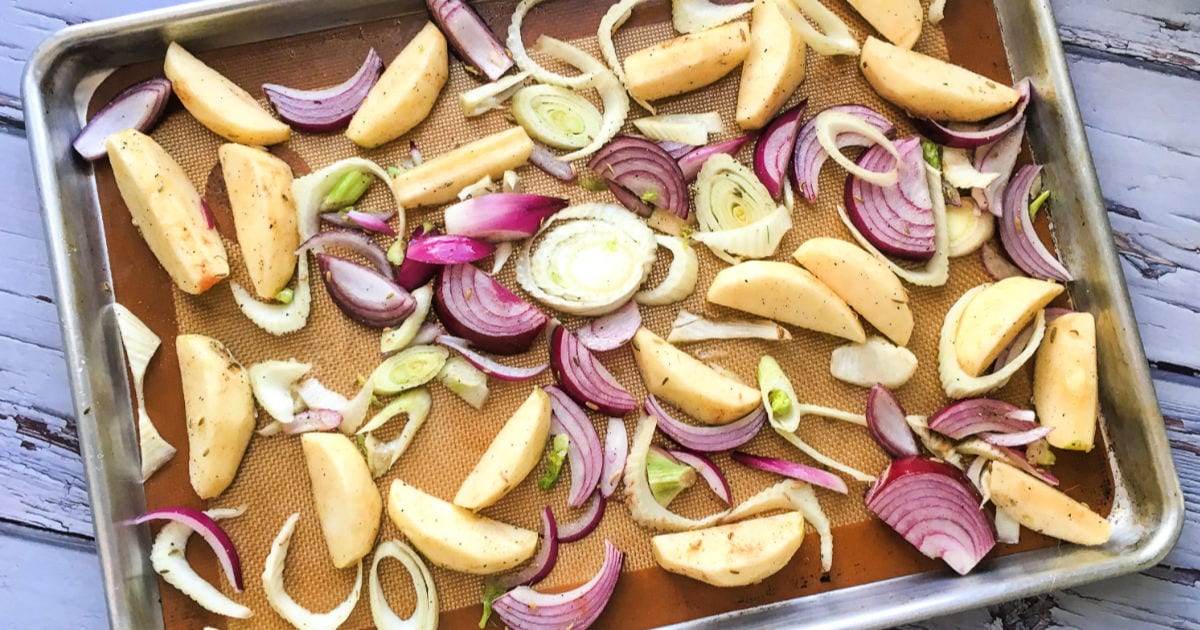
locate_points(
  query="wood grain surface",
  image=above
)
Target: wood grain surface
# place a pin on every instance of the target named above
(1136, 69)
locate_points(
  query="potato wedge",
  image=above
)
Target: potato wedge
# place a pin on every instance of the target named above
(405, 94)
(930, 87)
(1042, 508)
(219, 406)
(785, 293)
(511, 456)
(682, 380)
(686, 63)
(264, 213)
(995, 317)
(897, 20)
(218, 103)
(863, 281)
(739, 554)
(773, 68)
(440, 179)
(1066, 393)
(456, 538)
(347, 502)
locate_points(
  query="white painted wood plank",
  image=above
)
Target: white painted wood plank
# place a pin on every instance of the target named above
(1162, 31)
(45, 585)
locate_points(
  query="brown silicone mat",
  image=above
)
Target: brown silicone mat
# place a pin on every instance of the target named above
(273, 481)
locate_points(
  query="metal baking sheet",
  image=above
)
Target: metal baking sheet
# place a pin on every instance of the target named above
(65, 70)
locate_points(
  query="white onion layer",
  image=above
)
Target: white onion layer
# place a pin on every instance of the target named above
(282, 603)
(168, 556)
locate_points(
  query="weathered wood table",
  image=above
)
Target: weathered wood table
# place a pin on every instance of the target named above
(1136, 67)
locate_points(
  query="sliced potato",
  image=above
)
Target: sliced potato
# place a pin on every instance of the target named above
(785, 293)
(1065, 384)
(1042, 508)
(686, 63)
(218, 103)
(995, 317)
(773, 69)
(405, 93)
(739, 554)
(897, 20)
(347, 502)
(511, 456)
(682, 380)
(167, 211)
(219, 406)
(264, 213)
(863, 281)
(439, 180)
(930, 87)
(456, 538)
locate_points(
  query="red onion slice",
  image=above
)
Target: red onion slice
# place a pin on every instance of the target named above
(996, 264)
(585, 378)
(642, 176)
(616, 449)
(313, 420)
(676, 149)
(365, 295)
(887, 424)
(935, 509)
(448, 249)
(1008, 455)
(588, 521)
(542, 563)
(611, 331)
(707, 439)
(773, 151)
(692, 161)
(210, 221)
(1016, 439)
(360, 220)
(583, 451)
(998, 157)
(138, 107)
(526, 609)
(979, 415)
(414, 273)
(1021, 241)
(897, 219)
(548, 162)
(212, 534)
(490, 366)
(471, 37)
(943, 135)
(794, 470)
(427, 334)
(356, 242)
(476, 307)
(809, 156)
(501, 216)
(708, 472)
(1014, 349)
(329, 108)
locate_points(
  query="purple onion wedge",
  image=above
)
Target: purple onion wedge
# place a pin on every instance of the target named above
(773, 151)
(136, 107)
(329, 108)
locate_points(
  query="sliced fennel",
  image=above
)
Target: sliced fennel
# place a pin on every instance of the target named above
(168, 556)
(693, 16)
(516, 45)
(961, 173)
(556, 116)
(485, 186)
(510, 181)
(140, 344)
(683, 132)
(836, 39)
(425, 614)
(778, 395)
(758, 240)
(282, 603)
(823, 459)
(465, 380)
(399, 337)
(968, 227)
(612, 92)
(317, 396)
(272, 383)
(937, 11)
(616, 16)
(956, 382)
(937, 270)
(588, 259)
(415, 404)
(832, 123)
(643, 507)
(941, 447)
(555, 457)
(691, 328)
(681, 277)
(408, 369)
(278, 319)
(736, 215)
(504, 251)
(667, 477)
(490, 96)
(877, 360)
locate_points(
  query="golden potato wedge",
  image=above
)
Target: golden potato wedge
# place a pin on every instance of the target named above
(264, 214)
(1066, 393)
(897, 20)
(785, 293)
(682, 380)
(511, 456)
(347, 502)
(219, 406)
(863, 281)
(686, 63)
(440, 179)
(994, 317)
(738, 554)
(405, 94)
(1042, 508)
(218, 103)
(773, 68)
